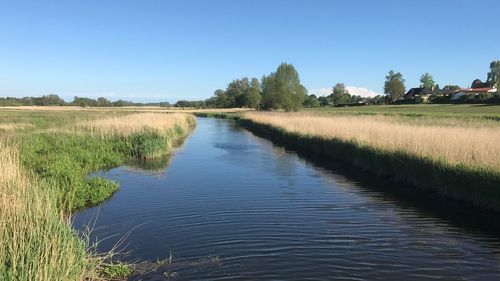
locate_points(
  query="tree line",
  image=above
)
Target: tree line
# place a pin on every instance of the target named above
(55, 100)
(280, 90)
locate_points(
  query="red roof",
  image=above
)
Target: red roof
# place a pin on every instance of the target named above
(476, 90)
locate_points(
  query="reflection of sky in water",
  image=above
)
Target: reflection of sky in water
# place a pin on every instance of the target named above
(270, 214)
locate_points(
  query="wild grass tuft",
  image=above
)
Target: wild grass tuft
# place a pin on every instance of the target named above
(37, 240)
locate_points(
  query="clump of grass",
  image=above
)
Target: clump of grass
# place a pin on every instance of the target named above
(37, 240)
(116, 270)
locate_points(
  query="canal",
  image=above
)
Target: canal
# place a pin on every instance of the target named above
(229, 205)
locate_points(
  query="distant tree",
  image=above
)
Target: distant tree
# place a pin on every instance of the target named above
(311, 101)
(394, 86)
(121, 103)
(426, 81)
(48, 100)
(252, 95)
(103, 102)
(339, 89)
(451, 87)
(84, 102)
(185, 103)
(282, 89)
(324, 101)
(494, 74)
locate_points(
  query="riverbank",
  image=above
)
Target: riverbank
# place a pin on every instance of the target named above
(45, 178)
(434, 157)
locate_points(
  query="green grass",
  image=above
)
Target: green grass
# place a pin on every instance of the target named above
(117, 270)
(442, 110)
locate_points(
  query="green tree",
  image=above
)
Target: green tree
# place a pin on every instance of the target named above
(394, 86)
(252, 95)
(451, 87)
(324, 101)
(339, 95)
(426, 81)
(494, 74)
(311, 101)
(282, 89)
(103, 102)
(339, 89)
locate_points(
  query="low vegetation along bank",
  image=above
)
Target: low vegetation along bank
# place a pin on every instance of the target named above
(456, 159)
(45, 177)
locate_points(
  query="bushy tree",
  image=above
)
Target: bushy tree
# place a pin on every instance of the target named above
(103, 102)
(451, 87)
(311, 101)
(252, 95)
(427, 81)
(282, 89)
(494, 74)
(394, 86)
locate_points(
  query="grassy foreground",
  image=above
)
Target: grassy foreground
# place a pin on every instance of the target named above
(455, 157)
(44, 176)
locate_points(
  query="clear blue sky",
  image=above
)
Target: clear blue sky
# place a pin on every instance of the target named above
(147, 50)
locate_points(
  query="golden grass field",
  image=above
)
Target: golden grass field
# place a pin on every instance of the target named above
(457, 142)
(136, 123)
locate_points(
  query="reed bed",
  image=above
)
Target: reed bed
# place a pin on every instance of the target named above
(15, 126)
(133, 124)
(37, 240)
(476, 147)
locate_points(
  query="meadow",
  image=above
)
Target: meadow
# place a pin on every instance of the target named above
(471, 110)
(46, 157)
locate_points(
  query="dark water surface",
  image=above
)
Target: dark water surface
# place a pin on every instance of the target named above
(232, 206)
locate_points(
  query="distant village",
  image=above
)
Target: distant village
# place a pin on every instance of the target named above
(478, 90)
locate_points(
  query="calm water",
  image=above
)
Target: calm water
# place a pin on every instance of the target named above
(258, 212)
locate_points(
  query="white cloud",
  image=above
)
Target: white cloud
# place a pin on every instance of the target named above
(353, 90)
(320, 92)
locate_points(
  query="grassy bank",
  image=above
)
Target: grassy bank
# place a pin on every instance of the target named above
(45, 176)
(37, 240)
(66, 156)
(456, 160)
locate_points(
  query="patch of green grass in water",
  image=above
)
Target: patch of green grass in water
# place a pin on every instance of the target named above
(117, 270)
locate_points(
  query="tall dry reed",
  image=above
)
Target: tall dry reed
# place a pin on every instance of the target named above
(137, 123)
(37, 242)
(477, 147)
